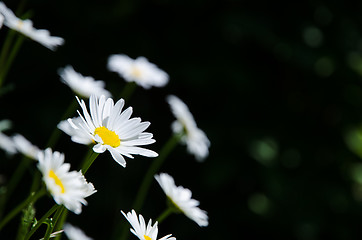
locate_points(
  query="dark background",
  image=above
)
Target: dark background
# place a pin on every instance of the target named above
(275, 86)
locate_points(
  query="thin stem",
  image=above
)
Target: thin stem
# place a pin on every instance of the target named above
(89, 161)
(128, 90)
(32, 198)
(41, 221)
(156, 164)
(49, 224)
(53, 222)
(14, 180)
(56, 132)
(165, 214)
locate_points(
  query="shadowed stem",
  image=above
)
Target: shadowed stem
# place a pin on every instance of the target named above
(155, 166)
(32, 198)
(165, 214)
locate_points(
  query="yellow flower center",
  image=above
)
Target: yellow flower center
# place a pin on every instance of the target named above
(109, 137)
(136, 72)
(56, 180)
(20, 24)
(147, 237)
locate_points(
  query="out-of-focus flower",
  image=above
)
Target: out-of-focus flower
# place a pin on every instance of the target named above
(81, 85)
(138, 70)
(25, 27)
(7, 144)
(67, 188)
(1, 20)
(74, 233)
(180, 197)
(195, 139)
(140, 229)
(25, 147)
(114, 130)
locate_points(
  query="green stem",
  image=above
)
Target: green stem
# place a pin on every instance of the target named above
(128, 90)
(89, 161)
(53, 222)
(165, 214)
(14, 180)
(41, 221)
(56, 132)
(10, 58)
(49, 224)
(32, 198)
(155, 166)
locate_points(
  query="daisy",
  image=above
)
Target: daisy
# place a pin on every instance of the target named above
(25, 27)
(84, 86)
(140, 229)
(74, 233)
(114, 130)
(180, 197)
(139, 70)
(77, 136)
(195, 139)
(25, 147)
(67, 188)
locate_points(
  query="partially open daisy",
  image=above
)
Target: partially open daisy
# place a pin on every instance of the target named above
(180, 197)
(195, 139)
(74, 233)
(114, 130)
(25, 147)
(140, 229)
(67, 188)
(84, 86)
(25, 27)
(139, 70)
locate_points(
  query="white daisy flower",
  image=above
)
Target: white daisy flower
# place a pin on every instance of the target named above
(81, 85)
(139, 70)
(7, 144)
(77, 136)
(25, 147)
(140, 229)
(195, 139)
(181, 199)
(74, 233)
(114, 130)
(67, 188)
(25, 27)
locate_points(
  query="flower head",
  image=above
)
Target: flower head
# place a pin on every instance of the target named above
(84, 86)
(139, 70)
(74, 233)
(67, 188)
(25, 147)
(181, 198)
(113, 130)
(140, 229)
(7, 144)
(25, 27)
(195, 139)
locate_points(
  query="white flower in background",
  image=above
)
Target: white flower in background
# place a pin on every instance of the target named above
(181, 199)
(74, 233)
(81, 85)
(140, 229)
(139, 70)
(67, 188)
(195, 139)
(114, 130)
(25, 27)
(77, 136)
(25, 147)
(7, 144)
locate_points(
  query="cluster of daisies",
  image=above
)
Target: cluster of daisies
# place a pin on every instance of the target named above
(106, 125)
